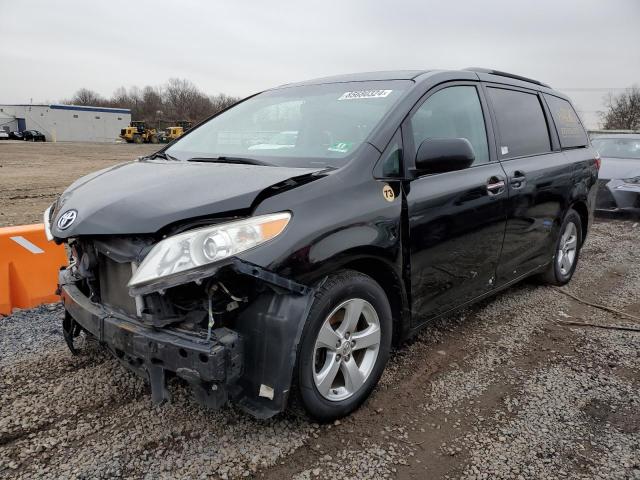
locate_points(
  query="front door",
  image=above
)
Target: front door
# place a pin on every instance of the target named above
(456, 219)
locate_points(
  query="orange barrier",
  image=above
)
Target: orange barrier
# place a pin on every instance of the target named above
(29, 267)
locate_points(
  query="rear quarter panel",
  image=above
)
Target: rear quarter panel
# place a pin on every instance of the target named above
(585, 175)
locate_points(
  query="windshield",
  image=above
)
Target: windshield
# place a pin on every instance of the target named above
(618, 147)
(305, 126)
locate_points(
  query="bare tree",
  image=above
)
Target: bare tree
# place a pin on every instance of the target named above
(152, 100)
(623, 111)
(221, 101)
(178, 99)
(84, 96)
(120, 98)
(183, 100)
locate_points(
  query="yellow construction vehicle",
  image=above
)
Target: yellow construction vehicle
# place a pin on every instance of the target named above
(137, 132)
(171, 133)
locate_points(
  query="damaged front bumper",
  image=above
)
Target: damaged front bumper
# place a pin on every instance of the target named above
(616, 196)
(251, 365)
(209, 366)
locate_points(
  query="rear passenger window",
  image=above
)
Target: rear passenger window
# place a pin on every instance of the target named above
(521, 123)
(453, 112)
(568, 124)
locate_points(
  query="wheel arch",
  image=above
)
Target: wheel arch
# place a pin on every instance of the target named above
(581, 208)
(393, 286)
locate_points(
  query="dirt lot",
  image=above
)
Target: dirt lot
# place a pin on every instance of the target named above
(32, 174)
(508, 389)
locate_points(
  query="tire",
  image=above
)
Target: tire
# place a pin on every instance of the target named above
(153, 139)
(340, 394)
(137, 139)
(566, 251)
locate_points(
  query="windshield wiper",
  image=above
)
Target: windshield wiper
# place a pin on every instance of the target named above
(237, 160)
(164, 155)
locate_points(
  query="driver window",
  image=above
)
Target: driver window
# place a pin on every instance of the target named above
(453, 112)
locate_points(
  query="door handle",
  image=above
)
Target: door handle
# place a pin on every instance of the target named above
(518, 180)
(495, 186)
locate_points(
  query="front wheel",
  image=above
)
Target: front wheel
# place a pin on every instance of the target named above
(567, 251)
(345, 345)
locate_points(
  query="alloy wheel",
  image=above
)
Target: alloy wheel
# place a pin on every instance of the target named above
(346, 349)
(567, 248)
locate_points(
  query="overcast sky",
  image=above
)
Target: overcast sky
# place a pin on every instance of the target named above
(52, 48)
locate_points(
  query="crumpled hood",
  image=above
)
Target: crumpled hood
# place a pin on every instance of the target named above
(616, 168)
(144, 196)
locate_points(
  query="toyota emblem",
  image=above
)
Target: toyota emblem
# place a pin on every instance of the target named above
(67, 219)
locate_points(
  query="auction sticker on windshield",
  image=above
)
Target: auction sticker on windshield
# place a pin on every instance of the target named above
(365, 94)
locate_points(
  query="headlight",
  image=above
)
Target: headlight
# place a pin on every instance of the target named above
(632, 181)
(204, 246)
(47, 223)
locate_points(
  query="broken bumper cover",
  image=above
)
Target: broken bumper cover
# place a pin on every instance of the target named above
(211, 367)
(616, 196)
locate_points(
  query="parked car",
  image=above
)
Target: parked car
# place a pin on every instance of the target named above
(15, 135)
(33, 136)
(4, 135)
(619, 181)
(264, 276)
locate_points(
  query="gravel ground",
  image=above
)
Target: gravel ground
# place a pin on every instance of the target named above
(28, 332)
(505, 389)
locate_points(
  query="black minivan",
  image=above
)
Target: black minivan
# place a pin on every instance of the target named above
(279, 249)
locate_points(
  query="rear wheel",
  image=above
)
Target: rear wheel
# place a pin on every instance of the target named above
(567, 251)
(345, 345)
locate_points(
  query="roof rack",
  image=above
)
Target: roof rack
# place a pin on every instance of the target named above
(505, 74)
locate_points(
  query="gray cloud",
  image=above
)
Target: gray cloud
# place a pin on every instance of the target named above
(50, 49)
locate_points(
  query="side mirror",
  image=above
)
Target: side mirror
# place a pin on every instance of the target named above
(440, 155)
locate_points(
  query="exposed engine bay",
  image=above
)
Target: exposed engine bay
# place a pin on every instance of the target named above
(104, 268)
(200, 329)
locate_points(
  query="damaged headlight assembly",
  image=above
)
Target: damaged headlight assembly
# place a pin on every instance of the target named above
(201, 247)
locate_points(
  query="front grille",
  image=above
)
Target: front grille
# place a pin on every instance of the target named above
(605, 199)
(113, 278)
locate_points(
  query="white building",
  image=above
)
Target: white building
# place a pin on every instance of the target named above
(66, 123)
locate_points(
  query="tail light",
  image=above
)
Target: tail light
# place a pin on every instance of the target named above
(598, 161)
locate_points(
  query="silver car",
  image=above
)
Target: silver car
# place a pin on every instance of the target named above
(619, 178)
